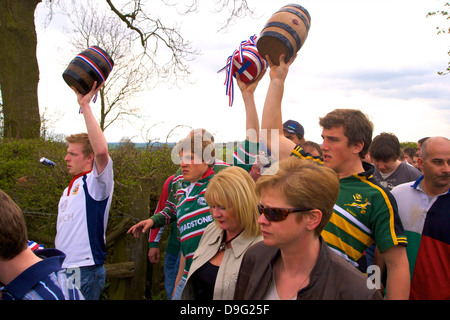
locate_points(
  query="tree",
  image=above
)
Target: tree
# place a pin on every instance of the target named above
(19, 72)
(443, 30)
(131, 73)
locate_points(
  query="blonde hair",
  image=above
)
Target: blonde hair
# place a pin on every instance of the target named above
(83, 139)
(234, 188)
(304, 184)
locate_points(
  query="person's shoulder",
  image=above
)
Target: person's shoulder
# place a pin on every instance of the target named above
(340, 264)
(403, 187)
(259, 252)
(211, 232)
(299, 152)
(220, 165)
(354, 284)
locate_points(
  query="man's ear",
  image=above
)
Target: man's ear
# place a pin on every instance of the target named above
(420, 162)
(357, 147)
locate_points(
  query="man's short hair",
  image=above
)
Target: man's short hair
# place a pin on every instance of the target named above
(313, 145)
(411, 151)
(304, 184)
(357, 126)
(83, 139)
(13, 231)
(385, 147)
(199, 144)
(427, 141)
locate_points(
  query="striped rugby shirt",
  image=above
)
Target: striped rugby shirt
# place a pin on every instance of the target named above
(45, 280)
(186, 203)
(364, 212)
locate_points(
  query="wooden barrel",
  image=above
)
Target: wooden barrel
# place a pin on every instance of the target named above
(285, 32)
(93, 64)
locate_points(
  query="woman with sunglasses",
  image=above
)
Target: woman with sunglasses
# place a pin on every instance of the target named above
(293, 262)
(234, 206)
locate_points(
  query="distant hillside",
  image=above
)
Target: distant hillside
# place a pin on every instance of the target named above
(143, 145)
(140, 145)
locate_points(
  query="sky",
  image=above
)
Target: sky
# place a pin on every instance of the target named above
(379, 56)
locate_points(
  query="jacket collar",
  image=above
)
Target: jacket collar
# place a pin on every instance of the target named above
(369, 169)
(418, 185)
(23, 283)
(74, 178)
(239, 245)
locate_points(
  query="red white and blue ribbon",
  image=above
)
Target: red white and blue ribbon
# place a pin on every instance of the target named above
(103, 56)
(34, 246)
(94, 66)
(247, 45)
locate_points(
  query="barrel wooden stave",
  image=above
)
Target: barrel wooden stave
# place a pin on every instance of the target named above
(285, 33)
(82, 75)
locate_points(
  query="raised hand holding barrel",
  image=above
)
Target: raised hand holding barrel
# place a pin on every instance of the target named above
(285, 33)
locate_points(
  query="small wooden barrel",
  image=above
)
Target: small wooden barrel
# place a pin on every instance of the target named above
(285, 32)
(252, 65)
(93, 64)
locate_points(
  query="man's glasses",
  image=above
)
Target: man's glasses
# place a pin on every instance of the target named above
(277, 214)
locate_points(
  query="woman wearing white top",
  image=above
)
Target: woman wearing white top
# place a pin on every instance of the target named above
(234, 207)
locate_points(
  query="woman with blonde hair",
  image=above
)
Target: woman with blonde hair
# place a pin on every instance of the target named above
(234, 206)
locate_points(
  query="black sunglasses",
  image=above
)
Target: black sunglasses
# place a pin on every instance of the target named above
(278, 214)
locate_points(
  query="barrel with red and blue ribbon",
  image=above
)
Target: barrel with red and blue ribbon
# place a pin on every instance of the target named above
(246, 62)
(93, 64)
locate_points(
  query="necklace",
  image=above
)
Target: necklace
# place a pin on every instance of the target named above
(225, 242)
(301, 285)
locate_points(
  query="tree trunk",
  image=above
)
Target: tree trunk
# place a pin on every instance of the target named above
(19, 71)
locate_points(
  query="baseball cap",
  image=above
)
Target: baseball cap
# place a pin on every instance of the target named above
(292, 126)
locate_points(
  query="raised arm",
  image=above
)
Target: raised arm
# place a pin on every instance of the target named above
(96, 137)
(272, 123)
(251, 115)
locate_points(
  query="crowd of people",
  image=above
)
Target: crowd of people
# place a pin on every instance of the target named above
(290, 219)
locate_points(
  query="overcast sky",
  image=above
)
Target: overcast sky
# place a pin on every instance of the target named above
(380, 56)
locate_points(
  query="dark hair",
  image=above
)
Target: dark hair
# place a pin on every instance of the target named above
(411, 151)
(313, 145)
(385, 147)
(357, 126)
(13, 231)
(421, 141)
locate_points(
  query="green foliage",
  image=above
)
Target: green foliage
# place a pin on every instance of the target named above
(37, 188)
(31, 184)
(408, 144)
(444, 13)
(134, 168)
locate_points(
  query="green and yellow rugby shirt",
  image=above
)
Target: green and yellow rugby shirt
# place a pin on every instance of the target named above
(364, 212)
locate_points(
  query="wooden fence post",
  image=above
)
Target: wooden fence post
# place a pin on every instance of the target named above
(129, 261)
